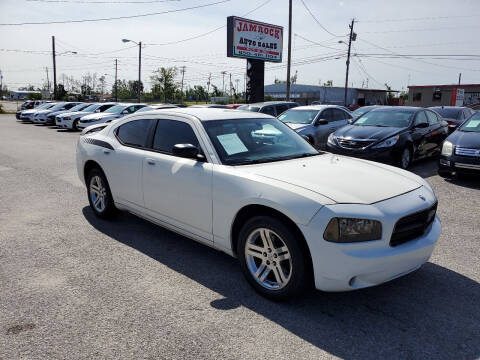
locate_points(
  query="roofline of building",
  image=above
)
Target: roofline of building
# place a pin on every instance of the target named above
(442, 86)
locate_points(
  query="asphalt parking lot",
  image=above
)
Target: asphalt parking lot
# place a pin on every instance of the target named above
(76, 287)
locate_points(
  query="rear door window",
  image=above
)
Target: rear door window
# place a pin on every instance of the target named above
(135, 133)
(269, 110)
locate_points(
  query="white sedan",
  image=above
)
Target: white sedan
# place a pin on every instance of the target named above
(290, 214)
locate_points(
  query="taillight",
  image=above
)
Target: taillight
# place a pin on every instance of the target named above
(451, 123)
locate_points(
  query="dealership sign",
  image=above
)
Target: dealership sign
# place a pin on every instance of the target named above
(254, 40)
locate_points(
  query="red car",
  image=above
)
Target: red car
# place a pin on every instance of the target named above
(234, 106)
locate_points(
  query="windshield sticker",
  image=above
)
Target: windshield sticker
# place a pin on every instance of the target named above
(232, 144)
(472, 124)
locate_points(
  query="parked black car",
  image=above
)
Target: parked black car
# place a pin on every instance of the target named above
(453, 115)
(273, 108)
(395, 135)
(461, 150)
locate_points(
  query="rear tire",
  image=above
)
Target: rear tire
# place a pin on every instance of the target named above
(74, 125)
(99, 195)
(272, 259)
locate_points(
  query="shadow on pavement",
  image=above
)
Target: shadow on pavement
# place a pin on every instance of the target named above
(425, 168)
(432, 313)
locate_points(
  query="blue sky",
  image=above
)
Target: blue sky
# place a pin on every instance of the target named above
(406, 27)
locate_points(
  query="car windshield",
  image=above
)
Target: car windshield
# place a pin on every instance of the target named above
(386, 118)
(115, 109)
(448, 113)
(298, 116)
(78, 107)
(472, 124)
(44, 106)
(360, 111)
(249, 108)
(252, 141)
(91, 108)
(146, 108)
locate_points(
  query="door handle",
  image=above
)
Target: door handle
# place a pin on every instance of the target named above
(150, 161)
(106, 151)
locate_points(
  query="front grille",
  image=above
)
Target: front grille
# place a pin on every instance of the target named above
(353, 143)
(412, 226)
(467, 152)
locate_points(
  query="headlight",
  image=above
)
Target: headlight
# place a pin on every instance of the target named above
(331, 139)
(388, 143)
(347, 230)
(447, 148)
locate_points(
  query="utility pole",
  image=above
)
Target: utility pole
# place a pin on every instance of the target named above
(245, 85)
(54, 70)
(289, 61)
(237, 81)
(183, 75)
(351, 38)
(48, 80)
(116, 84)
(230, 85)
(1, 84)
(223, 81)
(139, 69)
(459, 78)
(208, 87)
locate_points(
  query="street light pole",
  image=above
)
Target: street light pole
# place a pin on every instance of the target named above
(116, 84)
(289, 61)
(139, 70)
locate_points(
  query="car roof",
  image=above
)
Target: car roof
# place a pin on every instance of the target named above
(393, 108)
(448, 107)
(317, 107)
(207, 114)
(271, 103)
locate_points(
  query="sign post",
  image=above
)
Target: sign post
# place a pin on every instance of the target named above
(257, 42)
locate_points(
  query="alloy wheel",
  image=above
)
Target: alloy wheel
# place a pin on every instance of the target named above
(98, 193)
(268, 259)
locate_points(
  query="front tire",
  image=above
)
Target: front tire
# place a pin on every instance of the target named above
(74, 125)
(99, 195)
(405, 158)
(272, 259)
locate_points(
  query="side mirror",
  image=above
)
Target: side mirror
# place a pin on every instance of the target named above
(188, 151)
(307, 138)
(97, 111)
(125, 112)
(321, 122)
(421, 125)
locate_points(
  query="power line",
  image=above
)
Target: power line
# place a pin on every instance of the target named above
(118, 17)
(208, 32)
(103, 2)
(316, 43)
(418, 18)
(316, 20)
(416, 30)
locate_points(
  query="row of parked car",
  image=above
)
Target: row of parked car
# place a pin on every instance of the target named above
(395, 135)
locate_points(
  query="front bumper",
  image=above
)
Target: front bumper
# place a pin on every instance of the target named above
(384, 155)
(343, 267)
(459, 164)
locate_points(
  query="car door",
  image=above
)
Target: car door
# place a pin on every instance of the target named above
(438, 132)
(123, 166)
(177, 190)
(323, 130)
(420, 135)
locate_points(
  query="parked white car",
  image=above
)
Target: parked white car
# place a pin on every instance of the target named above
(115, 112)
(27, 115)
(288, 212)
(70, 120)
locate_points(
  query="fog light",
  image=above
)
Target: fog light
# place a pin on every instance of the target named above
(445, 162)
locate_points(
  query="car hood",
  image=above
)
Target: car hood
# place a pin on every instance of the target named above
(465, 139)
(340, 178)
(98, 116)
(74, 113)
(367, 132)
(297, 127)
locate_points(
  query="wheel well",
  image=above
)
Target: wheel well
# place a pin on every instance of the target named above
(250, 211)
(89, 165)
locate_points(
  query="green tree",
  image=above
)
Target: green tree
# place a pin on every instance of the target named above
(164, 84)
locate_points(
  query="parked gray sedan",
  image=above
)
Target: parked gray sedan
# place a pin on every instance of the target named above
(316, 122)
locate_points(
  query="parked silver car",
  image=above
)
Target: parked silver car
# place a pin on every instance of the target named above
(316, 122)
